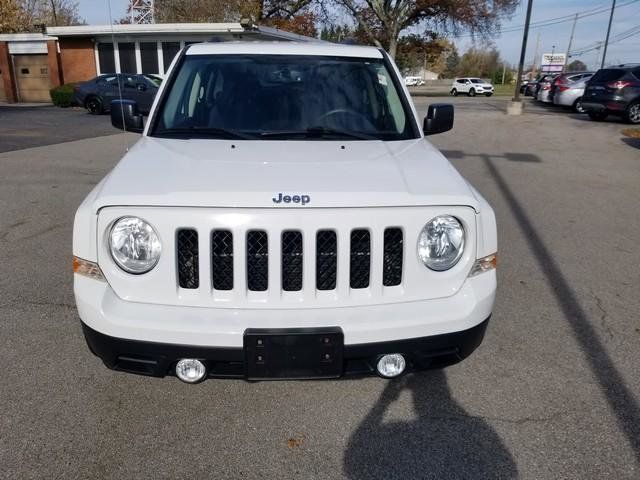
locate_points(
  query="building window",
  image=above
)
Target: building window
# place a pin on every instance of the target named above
(105, 58)
(127, 53)
(149, 57)
(169, 51)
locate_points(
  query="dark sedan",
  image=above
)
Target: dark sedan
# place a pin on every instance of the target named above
(96, 94)
(614, 91)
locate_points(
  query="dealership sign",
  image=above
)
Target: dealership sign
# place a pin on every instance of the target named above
(553, 62)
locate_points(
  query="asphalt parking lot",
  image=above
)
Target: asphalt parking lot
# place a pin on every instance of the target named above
(34, 126)
(553, 392)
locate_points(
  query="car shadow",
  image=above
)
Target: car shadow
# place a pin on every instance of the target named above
(585, 118)
(443, 441)
(632, 142)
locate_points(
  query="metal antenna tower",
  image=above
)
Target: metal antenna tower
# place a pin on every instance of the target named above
(141, 11)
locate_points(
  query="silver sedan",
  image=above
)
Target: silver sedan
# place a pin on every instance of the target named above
(568, 90)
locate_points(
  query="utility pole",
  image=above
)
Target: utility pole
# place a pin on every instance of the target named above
(516, 98)
(573, 30)
(606, 42)
(504, 71)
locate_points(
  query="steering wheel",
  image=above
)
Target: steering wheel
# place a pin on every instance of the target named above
(344, 111)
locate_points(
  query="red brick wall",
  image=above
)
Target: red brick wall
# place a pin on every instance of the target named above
(54, 63)
(77, 59)
(7, 73)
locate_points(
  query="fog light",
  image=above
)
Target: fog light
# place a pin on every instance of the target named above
(190, 370)
(391, 365)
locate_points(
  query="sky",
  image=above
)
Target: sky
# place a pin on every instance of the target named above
(589, 30)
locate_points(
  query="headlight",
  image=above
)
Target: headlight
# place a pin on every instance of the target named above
(441, 243)
(134, 245)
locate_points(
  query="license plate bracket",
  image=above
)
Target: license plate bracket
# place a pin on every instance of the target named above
(300, 353)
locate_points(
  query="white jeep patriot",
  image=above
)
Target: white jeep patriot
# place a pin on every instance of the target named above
(282, 216)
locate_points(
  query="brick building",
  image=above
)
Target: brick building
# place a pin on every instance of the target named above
(31, 64)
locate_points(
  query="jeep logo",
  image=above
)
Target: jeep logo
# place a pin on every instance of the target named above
(281, 198)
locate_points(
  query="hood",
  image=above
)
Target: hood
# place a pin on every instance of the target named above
(253, 173)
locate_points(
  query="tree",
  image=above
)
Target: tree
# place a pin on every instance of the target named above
(478, 62)
(302, 24)
(201, 11)
(337, 33)
(291, 15)
(416, 52)
(11, 16)
(452, 63)
(27, 15)
(383, 21)
(577, 66)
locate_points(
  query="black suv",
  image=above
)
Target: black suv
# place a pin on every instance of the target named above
(614, 91)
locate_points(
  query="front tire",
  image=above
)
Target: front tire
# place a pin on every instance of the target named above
(454, 92)
(577, 106)
(598, 116)
(472, 92)
(488, 94)
(632, 115)
(94, 105)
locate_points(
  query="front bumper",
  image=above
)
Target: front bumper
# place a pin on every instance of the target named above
(159, 359)
(149, 338)
(102, 310)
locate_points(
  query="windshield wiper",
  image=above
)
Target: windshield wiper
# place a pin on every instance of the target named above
(203, 132)
(319, 132)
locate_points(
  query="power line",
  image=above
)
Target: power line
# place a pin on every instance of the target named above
(633, 31)
(554, 21)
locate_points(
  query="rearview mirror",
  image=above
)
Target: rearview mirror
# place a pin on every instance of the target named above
(125, 116)
(439, 119)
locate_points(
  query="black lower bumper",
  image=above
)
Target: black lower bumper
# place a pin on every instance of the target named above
(159, 359)
(593, 106)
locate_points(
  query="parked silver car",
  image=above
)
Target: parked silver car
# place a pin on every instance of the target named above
(543, 88)
(568, 89)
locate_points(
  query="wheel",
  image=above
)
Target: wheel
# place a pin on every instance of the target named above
(93, 105)
(488, 94)
(597, 116)
(577, 106)
(472, 92)
(454, 92)
(632, 115)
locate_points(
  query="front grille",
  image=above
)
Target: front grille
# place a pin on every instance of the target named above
(257, 261)
(187, 255)
(360, 262)
(326, 259)
(291, 261)
(357, 259)
(393, 250)
(222, 259)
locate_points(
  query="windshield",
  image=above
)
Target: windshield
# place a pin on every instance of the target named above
(477, 80)
(283, 97)
(607, 75)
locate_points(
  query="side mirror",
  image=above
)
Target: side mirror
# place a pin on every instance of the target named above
(125, 116)
(439, 119)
